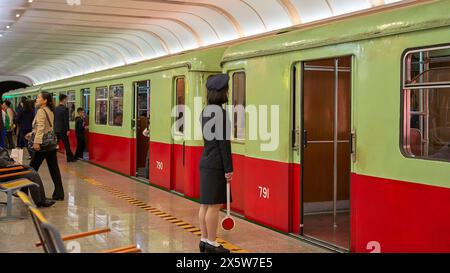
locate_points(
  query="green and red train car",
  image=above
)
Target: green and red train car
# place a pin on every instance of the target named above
(362, 157)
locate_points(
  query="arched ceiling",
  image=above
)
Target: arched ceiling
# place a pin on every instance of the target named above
(47, 40)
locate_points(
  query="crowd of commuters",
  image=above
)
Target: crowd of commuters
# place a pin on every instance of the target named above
(31, 122)
(16, 124)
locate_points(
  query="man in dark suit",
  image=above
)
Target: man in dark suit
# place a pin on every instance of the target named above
(62, 126)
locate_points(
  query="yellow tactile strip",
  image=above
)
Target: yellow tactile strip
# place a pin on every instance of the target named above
(165, 216)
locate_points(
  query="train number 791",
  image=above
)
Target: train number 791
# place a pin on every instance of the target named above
(263, 192)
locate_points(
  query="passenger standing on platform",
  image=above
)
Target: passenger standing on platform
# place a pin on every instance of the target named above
(62, 126)
(216, 166)
(19, 110)
(44, 123)
(25, 121)
(2, 127)
(9, 124)
(80, 125)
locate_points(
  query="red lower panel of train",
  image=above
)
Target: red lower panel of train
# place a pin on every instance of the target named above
(262, 190)
(397, 216)
(112, 152)
(175, 167)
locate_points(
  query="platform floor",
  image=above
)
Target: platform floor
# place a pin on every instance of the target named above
(156, 220)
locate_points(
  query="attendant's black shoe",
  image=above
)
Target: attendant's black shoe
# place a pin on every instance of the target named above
(47, 203)
(72, 160)
(202, 246)
(215, 249)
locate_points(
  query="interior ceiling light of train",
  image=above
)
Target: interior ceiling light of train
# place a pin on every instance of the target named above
(48, 40)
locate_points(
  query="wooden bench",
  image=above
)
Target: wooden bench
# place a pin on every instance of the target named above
(52, 241)
(10, 188)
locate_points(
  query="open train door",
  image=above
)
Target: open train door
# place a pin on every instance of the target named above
(178, 154)
(85, 103)
(326, 160)
(142, 122)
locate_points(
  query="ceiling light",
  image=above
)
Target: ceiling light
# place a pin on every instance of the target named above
(8, 27)
(1, 35)
(30, 1)
(17, 15)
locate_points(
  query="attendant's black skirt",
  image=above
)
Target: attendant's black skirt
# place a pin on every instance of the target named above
(213, 187)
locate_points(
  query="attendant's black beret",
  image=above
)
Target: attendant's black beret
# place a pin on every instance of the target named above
(217, 82)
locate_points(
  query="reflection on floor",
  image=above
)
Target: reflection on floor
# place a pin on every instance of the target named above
(89, 207)
(320, 226)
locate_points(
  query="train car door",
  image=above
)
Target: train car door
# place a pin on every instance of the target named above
(85, 103)
(295, 150)
(325, 185)
(178, 155)
(142, 122)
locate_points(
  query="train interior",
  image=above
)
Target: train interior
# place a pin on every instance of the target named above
(326, 150)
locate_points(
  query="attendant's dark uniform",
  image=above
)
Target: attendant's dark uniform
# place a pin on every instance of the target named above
(216, 158)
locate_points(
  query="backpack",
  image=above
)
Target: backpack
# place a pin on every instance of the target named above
(5, 159)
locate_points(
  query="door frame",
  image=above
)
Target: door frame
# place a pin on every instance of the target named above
(86, 105)
(302, 148)
(136, 117)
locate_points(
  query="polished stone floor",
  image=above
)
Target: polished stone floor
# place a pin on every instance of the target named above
(89, 206)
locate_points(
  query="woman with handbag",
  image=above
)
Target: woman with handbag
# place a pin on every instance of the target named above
(44, 143)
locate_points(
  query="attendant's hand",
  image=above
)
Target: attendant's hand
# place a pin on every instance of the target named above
(36, 146)
(229, 177)
(68, 133)
(28, 136)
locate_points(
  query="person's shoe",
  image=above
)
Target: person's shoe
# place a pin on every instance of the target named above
(47, 203)
(72, 160)
(202, 246)
(58, 198)
(215, 249)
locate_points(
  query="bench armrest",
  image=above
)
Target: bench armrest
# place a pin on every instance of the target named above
(80, 235)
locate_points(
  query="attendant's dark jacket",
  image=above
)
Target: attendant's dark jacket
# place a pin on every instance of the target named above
(61, 119)
(216, 151)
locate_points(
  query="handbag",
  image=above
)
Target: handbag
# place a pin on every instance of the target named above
(49, 140)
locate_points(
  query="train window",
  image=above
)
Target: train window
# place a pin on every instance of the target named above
(116, 105)
(53, 99)
(71, 105)
(239, 105)
(61, 93)
(101, 105)
(180, 103)
(426, 103)
(85, 95)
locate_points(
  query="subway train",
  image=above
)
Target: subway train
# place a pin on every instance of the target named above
(344, 140)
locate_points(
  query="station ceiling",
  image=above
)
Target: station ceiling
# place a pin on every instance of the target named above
(47, 40)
